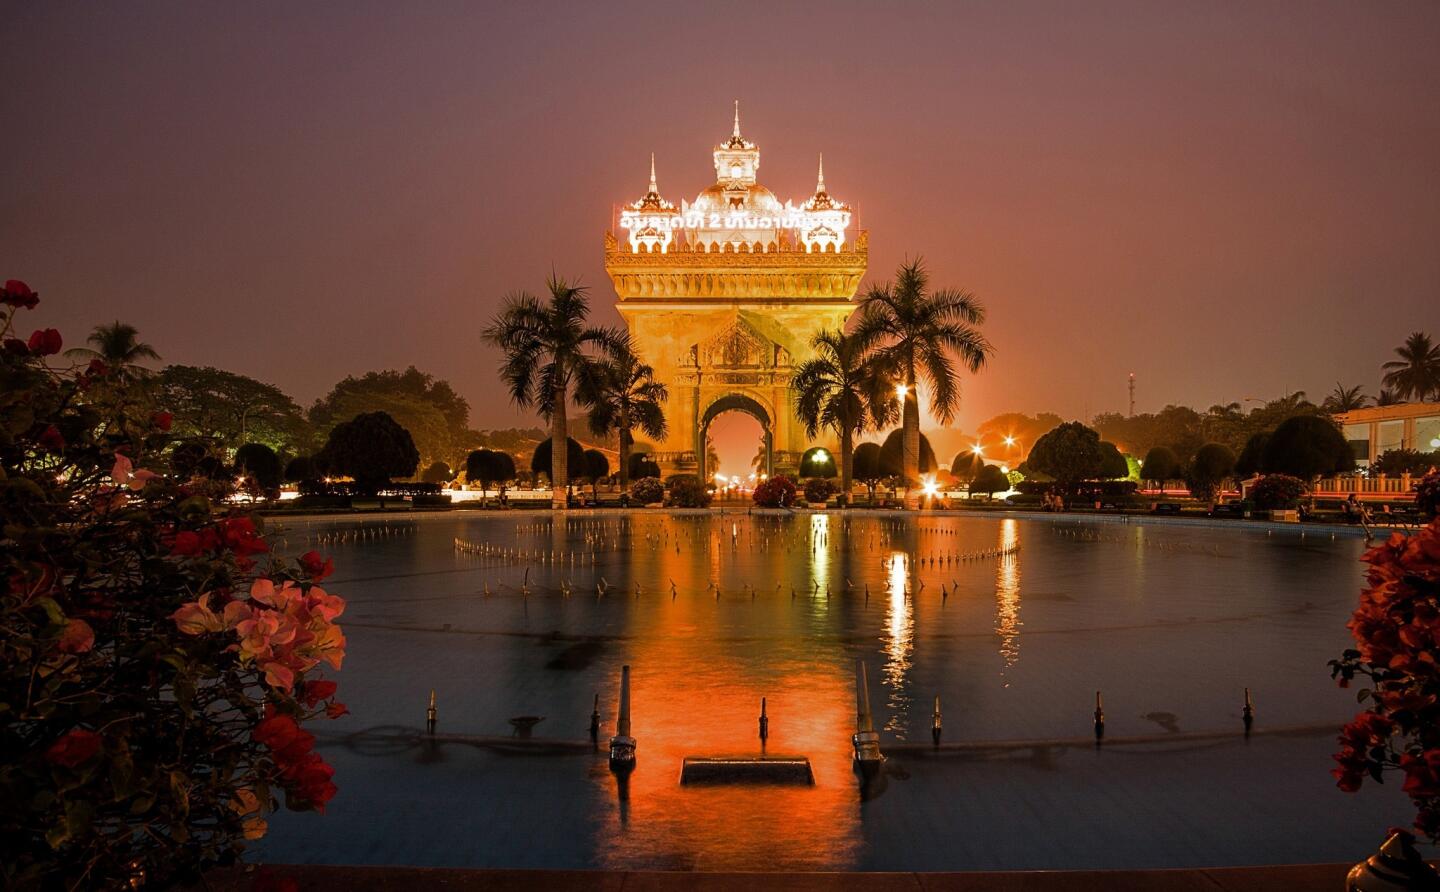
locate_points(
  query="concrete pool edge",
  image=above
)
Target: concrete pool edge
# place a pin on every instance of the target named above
(1298, 877)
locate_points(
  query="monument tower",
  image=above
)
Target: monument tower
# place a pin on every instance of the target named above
(723, 294)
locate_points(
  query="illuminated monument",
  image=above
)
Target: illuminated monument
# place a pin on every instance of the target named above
(723, 294)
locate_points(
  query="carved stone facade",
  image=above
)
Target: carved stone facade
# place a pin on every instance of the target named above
(725, 313)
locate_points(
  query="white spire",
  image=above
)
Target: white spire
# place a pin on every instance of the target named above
(820, 180)
(654, 190)
(737, 118)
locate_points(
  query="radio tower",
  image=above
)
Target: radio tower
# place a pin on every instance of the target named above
(1132, 394)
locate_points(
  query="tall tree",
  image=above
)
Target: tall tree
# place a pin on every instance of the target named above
(1416, 374)
(230, 408)
(622, 395)
(839, 391)
(545, 344)
(1345, 399)
(916, 335)
(428, 407)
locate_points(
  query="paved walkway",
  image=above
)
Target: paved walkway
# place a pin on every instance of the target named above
(1292, 878)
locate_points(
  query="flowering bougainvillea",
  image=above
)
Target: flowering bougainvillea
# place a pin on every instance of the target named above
(777, 492)
(1397, 636)
(158, 664)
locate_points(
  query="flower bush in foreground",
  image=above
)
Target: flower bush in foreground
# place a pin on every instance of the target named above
(1397, 636)
(777, 492)
(157, 665)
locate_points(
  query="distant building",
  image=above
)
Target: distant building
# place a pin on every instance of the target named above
(1376, 430)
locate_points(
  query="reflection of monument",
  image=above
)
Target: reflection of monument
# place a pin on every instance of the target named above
(723, 295)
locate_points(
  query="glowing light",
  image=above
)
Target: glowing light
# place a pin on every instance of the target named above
(977, 449)
(930, 487)
(719, 477)
(901, 390)
(1004, 469)
(1009, 441)
(821, 456)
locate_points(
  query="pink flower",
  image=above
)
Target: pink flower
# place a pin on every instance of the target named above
(324, 605)
(78, 637)
(196, 617)
(264, 591)
(124, 473)
(316, 567)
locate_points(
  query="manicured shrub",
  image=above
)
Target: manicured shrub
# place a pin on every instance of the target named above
(1398, 462)
(1277, 491)
(776, 492)
(1161, 464)
(966, 465)
(686, 491)
(437, 472)
(819, 462)
(1213, 462)
(818, 490)
(1252, 456)
(990, 480)
(1308, 446)
(641, 466)
(1069, 454)
(892, 456)
(648, 491)
(574, 458)
(303, 467)
(372, 450)
(262, 468)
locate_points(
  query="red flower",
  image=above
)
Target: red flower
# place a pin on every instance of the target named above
(75, 748)
(316, 567)
(335, 710)
(298, 748)
(52, 439)
(309, 779)
(1422, 774)
(240, 536)
(277, 731)
(318, 690)
(17, 294)
(45, 342)
(97, 367)
(162, 420)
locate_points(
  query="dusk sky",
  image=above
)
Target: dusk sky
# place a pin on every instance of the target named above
(1228, 199)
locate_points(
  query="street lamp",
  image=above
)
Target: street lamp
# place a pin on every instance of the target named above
(1009, 441)
(901, 390)
(977, 449)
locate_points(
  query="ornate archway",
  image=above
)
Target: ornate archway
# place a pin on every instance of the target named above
(723, 295)
(735, 402)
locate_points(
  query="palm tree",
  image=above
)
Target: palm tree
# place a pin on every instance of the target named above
(914, 335)
(622, 395)
(1386, 397)
(118, 345)
(1416, 374)
(838, 390)
(1345, 399)
(544, 344)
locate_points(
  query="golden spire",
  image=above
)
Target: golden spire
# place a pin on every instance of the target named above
(820, 180)
(654, 189)
(737, 119)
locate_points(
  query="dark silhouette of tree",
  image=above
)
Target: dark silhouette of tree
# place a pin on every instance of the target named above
(490, 469)
(262, 468)
(595, 467)
(372, 449)
(990, 480)
(1308, 446)
(1416, 374)
(838, 390)
(1252, 457)
(540, 461)
(813, 465)
(1160, 464)
(892, 459)
(1345, 399)
(915, 335)
(868, 468)
(545, 344)
(437, 472)
(622, 395)
(1213, 462)
(1069, 454)
(118, 345)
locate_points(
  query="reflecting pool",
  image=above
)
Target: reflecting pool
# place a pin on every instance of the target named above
(1014, 623)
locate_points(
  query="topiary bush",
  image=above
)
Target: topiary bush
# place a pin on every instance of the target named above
(154, 675)
(818, 490)
(648, 491)
(1277, 491)
(371, 448)
(262, 469)
(686, 491)
(777, 492)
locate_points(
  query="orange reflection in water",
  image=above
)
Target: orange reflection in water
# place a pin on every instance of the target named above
(1007, 593)
(899, 640)
(698, 671)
